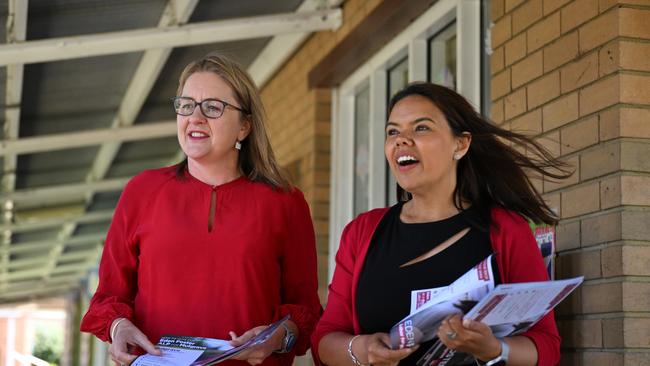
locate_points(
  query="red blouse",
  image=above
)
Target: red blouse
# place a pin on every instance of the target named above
(519, 260)
(165, 270)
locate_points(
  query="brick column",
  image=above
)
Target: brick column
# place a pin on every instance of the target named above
(577, 75)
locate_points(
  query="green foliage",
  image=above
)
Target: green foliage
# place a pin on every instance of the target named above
(48, 345)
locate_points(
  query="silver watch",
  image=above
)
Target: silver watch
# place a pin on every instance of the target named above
(503, 357)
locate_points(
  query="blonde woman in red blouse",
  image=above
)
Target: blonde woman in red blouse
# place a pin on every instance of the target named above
(218, 246)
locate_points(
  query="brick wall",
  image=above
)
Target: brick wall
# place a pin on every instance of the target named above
(576, 73)
(300, 123)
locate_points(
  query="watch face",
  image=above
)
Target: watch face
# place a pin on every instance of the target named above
(288, 341)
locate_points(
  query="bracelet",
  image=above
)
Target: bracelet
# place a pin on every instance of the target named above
(114, 327)
(354, 358)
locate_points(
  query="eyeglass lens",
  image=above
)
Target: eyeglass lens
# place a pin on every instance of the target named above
(210, 108)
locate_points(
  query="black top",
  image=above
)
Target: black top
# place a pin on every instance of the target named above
(385, 283)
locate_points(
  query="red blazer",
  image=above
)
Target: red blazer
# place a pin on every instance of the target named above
(519, 260)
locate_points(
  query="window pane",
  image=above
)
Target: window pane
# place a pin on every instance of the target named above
(361, 149)
(398, 77)
(442, 57)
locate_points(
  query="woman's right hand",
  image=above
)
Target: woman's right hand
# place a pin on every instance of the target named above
(378, 350)
(124, 334)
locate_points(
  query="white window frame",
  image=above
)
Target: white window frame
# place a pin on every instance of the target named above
(412, 42)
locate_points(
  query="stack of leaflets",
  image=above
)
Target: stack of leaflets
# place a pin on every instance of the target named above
(197, 351)
(509, 309)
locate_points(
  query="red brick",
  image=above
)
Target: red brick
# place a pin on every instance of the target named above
(636, 332)
(543, 90)
(552, 5)
(560, 112)
(602, 297)
(634, 156)
(529, 124)
(582, 333)
(634, 88)
(634, 225)
(598, 31)
(525, 15)
(610, 192)
(636, 296)
(581, 200)
(500, 84)
(635, 56)
(543, 32)
(601, 160)
(497, 9)
(551, 142)
(579, 73)
(599, 95)
(515, 49)
(579, 135)
(501, 31)
(551, 184)
(497, 60)
(599, 229)
(528, 69)
(578, 12)
(515, 103)
(609, 58)
(561, 51)
(567, 235)
(635, 122)
(583, 263)
(634, 23)
(511, 4)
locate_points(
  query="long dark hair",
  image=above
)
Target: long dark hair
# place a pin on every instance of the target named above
(492, 173)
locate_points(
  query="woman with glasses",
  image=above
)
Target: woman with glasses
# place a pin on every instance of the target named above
(463, 195)
(218, 246)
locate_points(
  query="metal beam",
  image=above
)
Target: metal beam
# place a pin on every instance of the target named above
(50, 193)
(144, 77)
(71, 140)
(39, 224)
(278, 50)
(16, 31)
(46, 245)
(188, 35)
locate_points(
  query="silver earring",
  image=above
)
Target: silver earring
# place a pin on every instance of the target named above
(457, 156)
(238, 145)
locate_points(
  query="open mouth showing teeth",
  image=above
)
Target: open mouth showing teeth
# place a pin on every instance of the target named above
(406, 160)
(198, 134)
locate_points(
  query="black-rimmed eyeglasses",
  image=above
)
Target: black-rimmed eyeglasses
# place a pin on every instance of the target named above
(211, 108)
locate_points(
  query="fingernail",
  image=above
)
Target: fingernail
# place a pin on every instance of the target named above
(466, 322)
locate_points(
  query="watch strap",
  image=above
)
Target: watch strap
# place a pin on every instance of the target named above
(503, 357)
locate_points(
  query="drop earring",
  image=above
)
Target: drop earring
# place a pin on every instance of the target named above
(238, 145)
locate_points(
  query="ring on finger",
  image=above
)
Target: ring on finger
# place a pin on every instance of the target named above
(451, 335)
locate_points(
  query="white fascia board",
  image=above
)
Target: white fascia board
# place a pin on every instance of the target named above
(167, 37)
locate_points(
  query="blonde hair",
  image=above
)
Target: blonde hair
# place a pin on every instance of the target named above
(256, 158)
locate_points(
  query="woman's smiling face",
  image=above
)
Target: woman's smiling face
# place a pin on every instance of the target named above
(209, 140)
(420, 145)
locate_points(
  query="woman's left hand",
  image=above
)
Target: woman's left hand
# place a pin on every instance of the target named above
(469, 336)
(256, 355)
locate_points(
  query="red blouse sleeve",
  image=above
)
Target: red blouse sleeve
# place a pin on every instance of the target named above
(520, 261)
(117, 270)
(299, 274)
(338, 312)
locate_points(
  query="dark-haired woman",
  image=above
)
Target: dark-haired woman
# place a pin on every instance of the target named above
(463, 195)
